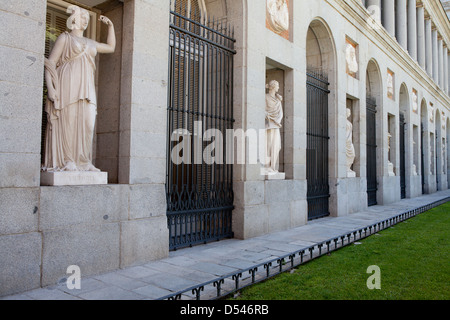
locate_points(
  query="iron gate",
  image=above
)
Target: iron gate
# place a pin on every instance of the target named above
(436, 170)
(199, 187)
(422, 150)
(372, 184)
(317, 149)
(402, 156)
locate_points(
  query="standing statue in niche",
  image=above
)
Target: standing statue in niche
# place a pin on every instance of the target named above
(390, 164)
(72, 103)
(443, 157)
(274, 117)
(414, 167)
(350, 148)
(278, 15)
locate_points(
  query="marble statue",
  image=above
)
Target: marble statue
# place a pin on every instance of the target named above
(72, 103)
(274, 117)
(414, 167)
(390, 164)
(443, 157)
(350, 148)
(432, 161)
(350, 56)
(414, 170)
(278, 15)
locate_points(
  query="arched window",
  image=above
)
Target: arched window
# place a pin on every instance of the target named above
(193, 9)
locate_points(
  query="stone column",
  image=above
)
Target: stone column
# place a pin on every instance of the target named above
(374, 7)
(447, 74)
(446, 69)
(401, 23)
(144, 92)
(429, 47)
(434, 37)
(412, 29)
(421, 57)
(22, 65)
(143, 129)
(22, 38)
(389, 16)
(441, 62)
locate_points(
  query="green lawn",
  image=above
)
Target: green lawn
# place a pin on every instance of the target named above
(414, 258)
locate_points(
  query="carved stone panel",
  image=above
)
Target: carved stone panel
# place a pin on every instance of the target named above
(277, 17)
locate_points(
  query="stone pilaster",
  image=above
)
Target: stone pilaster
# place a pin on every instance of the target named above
(434, 39)
(421, 57)
(389, 16)
(429, 46)
(412, 29)
(401, 23)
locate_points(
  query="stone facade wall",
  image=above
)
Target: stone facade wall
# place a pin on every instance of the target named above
(43, 230)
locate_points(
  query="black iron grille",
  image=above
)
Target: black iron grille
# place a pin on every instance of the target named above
(372, 184)
(199, 193)
(402, 156)
(318, 140)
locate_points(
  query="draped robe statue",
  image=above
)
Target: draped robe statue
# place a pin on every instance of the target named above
(72, 103)
(274, 117)
(350, 148)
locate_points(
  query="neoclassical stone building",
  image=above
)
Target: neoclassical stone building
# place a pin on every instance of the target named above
(370, 78)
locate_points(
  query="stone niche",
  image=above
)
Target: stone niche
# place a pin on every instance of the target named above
(274, 73)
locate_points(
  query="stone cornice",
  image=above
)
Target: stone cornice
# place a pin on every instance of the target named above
(389, 45)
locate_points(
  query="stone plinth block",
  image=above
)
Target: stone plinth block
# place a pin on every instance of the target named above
(273, 175)
(276, 176)
(20, 262)
(73, 178)
(95, 249)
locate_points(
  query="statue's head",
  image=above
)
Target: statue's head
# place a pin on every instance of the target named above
(273, 85)
(79, 18)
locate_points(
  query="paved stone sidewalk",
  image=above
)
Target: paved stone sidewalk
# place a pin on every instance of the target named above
(194, 266)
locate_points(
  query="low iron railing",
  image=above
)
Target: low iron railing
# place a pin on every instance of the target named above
(233, 282)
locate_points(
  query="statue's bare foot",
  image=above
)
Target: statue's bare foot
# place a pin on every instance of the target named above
(70, 166)
(91, 168)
